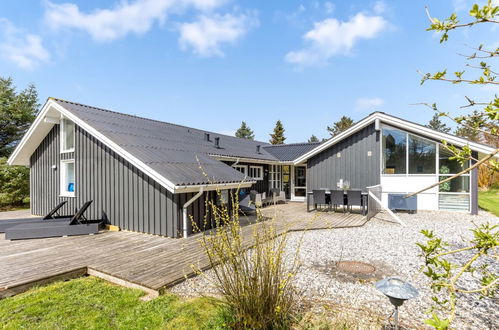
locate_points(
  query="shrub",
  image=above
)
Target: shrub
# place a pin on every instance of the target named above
(251, 270)
(14, 184)
(446, 275)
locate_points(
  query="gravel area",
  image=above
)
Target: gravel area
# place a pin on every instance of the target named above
(391, 249)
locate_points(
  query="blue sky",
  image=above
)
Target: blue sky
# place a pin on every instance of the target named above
(212, 63)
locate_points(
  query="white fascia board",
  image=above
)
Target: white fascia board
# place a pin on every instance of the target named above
(403, 125)
(211, 187)
(425, 131)
(361, 124)
(116, 148)
(17, 157)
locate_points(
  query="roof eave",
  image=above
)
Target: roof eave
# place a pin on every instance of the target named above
(402, 124)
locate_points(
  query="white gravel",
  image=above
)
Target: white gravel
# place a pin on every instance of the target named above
(392, 250)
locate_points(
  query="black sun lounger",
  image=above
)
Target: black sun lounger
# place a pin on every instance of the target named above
(51, 216)
(77, 225)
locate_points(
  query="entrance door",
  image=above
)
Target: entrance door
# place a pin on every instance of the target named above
(286, 180)
(299, 183)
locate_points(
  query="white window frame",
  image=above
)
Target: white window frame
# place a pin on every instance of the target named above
(259, 170)
(63, 135)
(243, 167)
(63, 171)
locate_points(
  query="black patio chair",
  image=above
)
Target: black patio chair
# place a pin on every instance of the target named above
(337, 198)
(354, 198)
(319, 197)
(77, 225)
(53, 215)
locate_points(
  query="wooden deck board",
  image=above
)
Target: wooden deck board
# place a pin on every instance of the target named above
(151, 261)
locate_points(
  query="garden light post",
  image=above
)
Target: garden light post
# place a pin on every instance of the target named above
(397, 291)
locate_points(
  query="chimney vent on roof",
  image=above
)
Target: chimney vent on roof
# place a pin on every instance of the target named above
(207, 136)
(258, 149)
(217, 142)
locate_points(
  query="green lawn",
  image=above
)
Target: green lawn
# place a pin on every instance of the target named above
(489, 200)
(91, 303)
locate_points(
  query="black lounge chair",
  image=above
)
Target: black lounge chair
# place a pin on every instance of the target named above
(77, 225)
(51, 216)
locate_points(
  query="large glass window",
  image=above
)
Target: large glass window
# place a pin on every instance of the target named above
(67, 135)
(447, 165)
(461, 184)
(68, 178)
(394, 151)
(422, 155)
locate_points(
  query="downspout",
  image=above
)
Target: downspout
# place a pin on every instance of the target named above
(184, 210)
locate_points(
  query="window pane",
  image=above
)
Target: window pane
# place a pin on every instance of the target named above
(446, 165)
(394, 151)
(422, 156)
(459, 184)
(453, 202)
(69, 179)
(300, 176)
(69, 134)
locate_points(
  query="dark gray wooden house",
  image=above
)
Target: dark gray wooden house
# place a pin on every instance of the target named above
(148, 175)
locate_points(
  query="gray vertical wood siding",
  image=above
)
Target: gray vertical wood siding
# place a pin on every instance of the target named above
(130, 199)
(325, 169)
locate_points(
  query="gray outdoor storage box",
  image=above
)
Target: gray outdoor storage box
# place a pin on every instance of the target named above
(398, 202)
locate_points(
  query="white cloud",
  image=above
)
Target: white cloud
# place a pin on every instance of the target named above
(365, 104)
(331, 37)
(205, 35)
(108, 24)
(25, 50)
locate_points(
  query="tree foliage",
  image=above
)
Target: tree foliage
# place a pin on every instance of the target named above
(277, 137)
(446, 274)
(344, 123)
(482, 121)
(437, 124)
(14, 184)
(17, 112)
(480, 124)
(245, 132)
(312, 139)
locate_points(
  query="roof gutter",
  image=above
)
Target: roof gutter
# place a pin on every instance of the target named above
(213, 186)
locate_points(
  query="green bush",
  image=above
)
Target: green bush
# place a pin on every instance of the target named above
(255, 284)
(14, 184)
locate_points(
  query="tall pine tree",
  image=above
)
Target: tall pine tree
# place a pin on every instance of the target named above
(17, 112)
(244, 132)
(278, 136)
(436, 124)
(313, 138)
(344, 123)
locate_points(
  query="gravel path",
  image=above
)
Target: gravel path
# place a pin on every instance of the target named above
(392, 250)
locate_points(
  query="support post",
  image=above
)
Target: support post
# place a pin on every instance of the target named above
(184, 211)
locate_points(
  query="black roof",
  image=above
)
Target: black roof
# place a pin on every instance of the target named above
(289, 152)
(180, 154)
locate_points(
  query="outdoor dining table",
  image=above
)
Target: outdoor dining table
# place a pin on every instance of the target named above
(328, 192)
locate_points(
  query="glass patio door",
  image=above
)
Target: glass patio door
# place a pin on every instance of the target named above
(300, 182)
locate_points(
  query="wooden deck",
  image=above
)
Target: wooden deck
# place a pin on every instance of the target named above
(149, 262)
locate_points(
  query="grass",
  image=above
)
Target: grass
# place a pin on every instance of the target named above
(14, 208)
(91, 303)
(489, 201)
